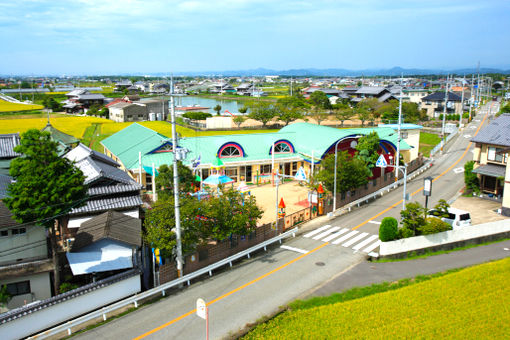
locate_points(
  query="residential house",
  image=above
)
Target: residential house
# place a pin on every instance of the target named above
(108, 187)
(328, 91)
(434, 104)
(382, 94)
(492, 147)
(244, 89)
(25, 265)
(222, 87)
(122, 85)
(80, 100)
(64, 141)
(130, 110)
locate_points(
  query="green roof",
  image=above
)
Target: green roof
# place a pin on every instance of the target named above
(128, 142)
(304, 137)
(59, 136)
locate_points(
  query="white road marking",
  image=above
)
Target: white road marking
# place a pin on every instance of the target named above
(335, 235)
(467, 136)
(472, 127)
(295, 249)
(373, 254)
(316, 231)
(506, 249)
(365, 242)
(458, 170)
(326, 233)
(354, 240)
(343, 238)
(371, 247)
(374, 222)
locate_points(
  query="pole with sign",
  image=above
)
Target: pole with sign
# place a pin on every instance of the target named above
(203, 312)
(427, 189)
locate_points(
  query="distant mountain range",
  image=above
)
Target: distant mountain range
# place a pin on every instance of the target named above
(339, 72)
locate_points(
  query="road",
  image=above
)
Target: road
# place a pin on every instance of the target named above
(257, 287)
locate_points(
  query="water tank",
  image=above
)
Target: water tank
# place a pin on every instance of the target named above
(152, 116)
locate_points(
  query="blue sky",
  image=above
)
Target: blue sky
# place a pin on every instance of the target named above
(124, 36)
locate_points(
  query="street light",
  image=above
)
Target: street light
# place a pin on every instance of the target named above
(334, 185)
(427, 189)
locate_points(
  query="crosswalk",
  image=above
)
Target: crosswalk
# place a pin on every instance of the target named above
(357, 241)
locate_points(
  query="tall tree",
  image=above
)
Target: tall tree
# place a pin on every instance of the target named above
(165, 180)
(371, 105)
(217, 108)
(363, 113)
(262, 111)
(351, 172)
(367, 148)
(320, 100)
(46, 187)
(343, 112)
(239, 120)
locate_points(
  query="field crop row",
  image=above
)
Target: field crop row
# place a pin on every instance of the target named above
(473, 303)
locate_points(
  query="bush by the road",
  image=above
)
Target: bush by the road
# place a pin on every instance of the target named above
(434, 225)
(388, 231)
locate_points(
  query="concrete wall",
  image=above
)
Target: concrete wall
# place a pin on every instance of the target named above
(65, 310)
(413, 139)
(445, 240)
(218, 123)
(40, 287)
(506, 193)
(32, 244)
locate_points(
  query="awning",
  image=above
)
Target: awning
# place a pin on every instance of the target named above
(101, 256)
(492, 170)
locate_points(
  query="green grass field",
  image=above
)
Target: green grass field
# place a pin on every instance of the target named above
(472, 303)
(427, 142)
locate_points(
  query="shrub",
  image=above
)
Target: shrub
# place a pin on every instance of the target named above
(434, 225)
(405, 232)
(470, 179)
(67, 286)
(388, 230)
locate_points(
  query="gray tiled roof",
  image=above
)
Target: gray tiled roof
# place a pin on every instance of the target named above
(492, 170)
(375, 90)
(496, 133)
(113, 189)
(95, 170)
(109, 203)
(6, 217)
(112, 225)
(439, 96)
(91, 96)
(385, 97)
(7, 144)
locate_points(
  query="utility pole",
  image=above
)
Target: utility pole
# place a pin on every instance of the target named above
(176, 183)
(444, 113)
(398, 131)
(462, 102)
(472, 97)
(291, 86)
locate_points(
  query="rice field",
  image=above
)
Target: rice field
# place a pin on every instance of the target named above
(71, 125)
(8, 106)
(473, 303)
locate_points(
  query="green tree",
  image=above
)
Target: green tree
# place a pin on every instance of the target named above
(389, 110)
(243, 109)
(351, 172)
(262, 111)
(343, 112)
(93, 109)
(367, 148)
(104, 112)
(46, 187)
(413, 217)
(290, 108)
(470, 178)
(412, 113)
(320, 100)
(165, 180)
(239, 120)
(363, 113)
(217, 108)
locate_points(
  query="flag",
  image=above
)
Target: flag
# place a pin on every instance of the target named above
(157, 256)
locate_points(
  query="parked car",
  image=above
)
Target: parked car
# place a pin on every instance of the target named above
(456, 218)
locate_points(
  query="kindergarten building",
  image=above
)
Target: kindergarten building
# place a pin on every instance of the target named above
(249, 157)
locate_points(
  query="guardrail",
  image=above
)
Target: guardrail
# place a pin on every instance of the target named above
(160, 289)
(438, 146)
(381, 191)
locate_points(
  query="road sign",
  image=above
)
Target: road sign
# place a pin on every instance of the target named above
(300, 175)
(201, 309)
(381, 162)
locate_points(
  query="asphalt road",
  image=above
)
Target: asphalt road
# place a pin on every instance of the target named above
(258, 286)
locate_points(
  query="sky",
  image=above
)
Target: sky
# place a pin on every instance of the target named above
(79, 37)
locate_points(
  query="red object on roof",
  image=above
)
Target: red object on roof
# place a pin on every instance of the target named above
(115, 101)
(282, 203)
(320, 189)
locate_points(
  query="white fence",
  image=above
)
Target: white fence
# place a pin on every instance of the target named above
(157, 290)
(54, 312)
(410, 244)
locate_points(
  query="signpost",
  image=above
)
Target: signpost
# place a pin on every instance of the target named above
(203, 312)
(427, 189)
(382, 163)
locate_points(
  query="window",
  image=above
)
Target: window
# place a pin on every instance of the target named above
(18, 288)
(4, 233)
(265, 169)
(495, 155)
(18, 231)
(230, 151)
(282, 147)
